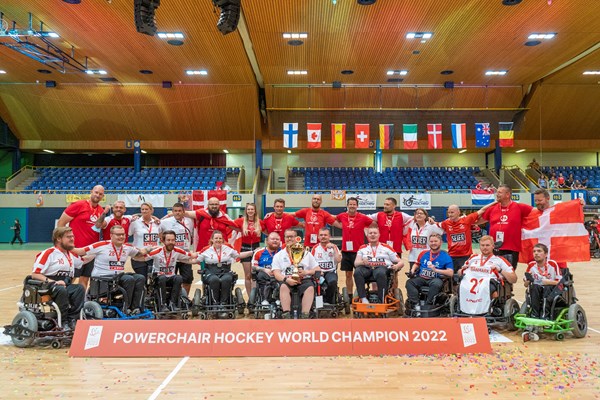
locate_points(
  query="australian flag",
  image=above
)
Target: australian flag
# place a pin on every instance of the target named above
(482, 134)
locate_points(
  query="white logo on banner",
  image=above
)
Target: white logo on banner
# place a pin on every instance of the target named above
(93, 337)
(366, 201)
(468, 334)
(136, 200)
(412, 201)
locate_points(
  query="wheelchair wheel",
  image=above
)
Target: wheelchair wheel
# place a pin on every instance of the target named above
(252, 297)
(510, 309)
(524, 307)
(398, 296)
(579, 324)
(453, 304)
(91, 310)
(347, 301)
(25, 319)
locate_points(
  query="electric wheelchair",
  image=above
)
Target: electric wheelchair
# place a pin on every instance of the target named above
(393, 304)
(206, 306)
(154, 300)
(441, 302)
(263, 301)
(341, 301)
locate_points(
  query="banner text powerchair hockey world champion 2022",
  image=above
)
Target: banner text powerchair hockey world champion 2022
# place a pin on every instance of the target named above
(262, 338)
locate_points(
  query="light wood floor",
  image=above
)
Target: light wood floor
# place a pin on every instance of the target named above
(544, 369)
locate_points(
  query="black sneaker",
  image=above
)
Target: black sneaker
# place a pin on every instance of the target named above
(285, 315)
(135, 311)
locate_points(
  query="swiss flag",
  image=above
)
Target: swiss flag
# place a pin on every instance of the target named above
(434, 136)
(561, 229)
(200, 199)
(313, 132)
(361, 136)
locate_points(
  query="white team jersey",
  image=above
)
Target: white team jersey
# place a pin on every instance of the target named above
(282, 262)
(326, 257)
(184, 231)
(144, 235)
(164, 262)
(380, 256)
(108, 259)
(479, 266)
(419, 238)
(225, 256)
(550, 271)
(475, 286)
(53, 262)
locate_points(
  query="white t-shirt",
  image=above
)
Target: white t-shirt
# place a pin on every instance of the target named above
(164, 262)
(184, 231)
(144, 235)
(419, 238)
(326, 257)
(380, 256)
(282, 262)
(225, 256)
(108, 259)
(479, 266)
(53, 262)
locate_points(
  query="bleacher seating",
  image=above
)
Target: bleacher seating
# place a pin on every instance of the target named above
(394, 179)
(116, 179)
(592, 174)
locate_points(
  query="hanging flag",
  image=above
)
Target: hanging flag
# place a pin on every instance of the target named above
(482, 134)
(200, 199)
(481, 197)
(290, 135)
(507, 134)
(409, 132)
(434, 136)
(386, 136)
(338, 136)
(459, 136)
(313, 132)
(561, 229)
(361, 136)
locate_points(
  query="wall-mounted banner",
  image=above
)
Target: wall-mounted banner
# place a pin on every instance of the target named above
(412, 201)
(366, 201)
(136, 200)
(268, 338)
(339, 195)
(72, 198)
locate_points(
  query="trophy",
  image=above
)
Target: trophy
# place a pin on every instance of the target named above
(296, 253)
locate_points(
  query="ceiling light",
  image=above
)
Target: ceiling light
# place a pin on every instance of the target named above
(302, 35)
(544, 36)
(520, 151)
(297, 72)
(419, 35)
(397, 72)
(143, 151)
(225, 151)
(196, 72)
(289, 152)
(48, 151)
(462, 151)
(95, 72)
(170, 35)
(499, 72)
(584, 72)
(2, 71)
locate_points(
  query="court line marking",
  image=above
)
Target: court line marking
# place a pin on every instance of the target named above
(12, 287)
(592, 329)
(168, 378)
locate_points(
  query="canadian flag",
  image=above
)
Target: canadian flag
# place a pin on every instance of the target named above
(200, 199)
(313, 132)
(561, 229)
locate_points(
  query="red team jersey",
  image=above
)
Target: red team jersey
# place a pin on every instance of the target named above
(251, 237)
(391, 228)
(207, 225)
(458, 234)
(313, 222)
(273, 224)
(353, 230)
(505, 223)
(111, 221)
(83, 222)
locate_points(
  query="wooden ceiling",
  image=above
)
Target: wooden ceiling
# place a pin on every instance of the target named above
(208, 113)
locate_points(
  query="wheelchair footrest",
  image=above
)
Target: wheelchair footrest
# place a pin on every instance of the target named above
(18, 330)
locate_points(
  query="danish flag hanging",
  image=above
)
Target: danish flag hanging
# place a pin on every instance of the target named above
(434, 136)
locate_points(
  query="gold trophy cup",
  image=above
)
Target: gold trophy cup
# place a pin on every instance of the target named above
(296, 252)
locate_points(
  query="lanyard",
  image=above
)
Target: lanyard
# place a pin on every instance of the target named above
(167, 259)
(149, 226)
(483, 261)
(390, 220)
(432, 258)
(374, 251)
(219, 253)
(118, 254)
(187, 231)
(66, 255)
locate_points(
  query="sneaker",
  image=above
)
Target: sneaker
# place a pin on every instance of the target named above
(164, 308)
(135, 311)
(264, 303)
(285, 315)
(304, 316)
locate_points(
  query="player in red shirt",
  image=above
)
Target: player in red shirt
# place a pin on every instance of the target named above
(506, 218)
(81, 217)
(210, 220)
(278, 221)
(353, 226)
(315, 218)
(118, 217)
(250, 225)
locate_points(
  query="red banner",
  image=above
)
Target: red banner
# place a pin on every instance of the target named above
(258, 338)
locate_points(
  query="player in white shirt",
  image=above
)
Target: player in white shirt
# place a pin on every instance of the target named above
(184, 230)
(374, 260)
(164, 260)
(546, 275)
(57, 265)
(283, 271)
(145, 232)
(419, 231)
(328, 256)
(109, 260)
(218, 257)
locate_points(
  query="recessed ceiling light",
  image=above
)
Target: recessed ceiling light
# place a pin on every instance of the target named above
(302, 35)
(447, 72)
(419, 35)
(145, 71)
(397, 72)
(44, 71)
(96, 72)
(415, 52)
(531, 43)
(297, 72)
(462, 151)
(520, 151)
(225, 151)
(543, 36)
(347, 72)
(395, 80)
(366, 2)
(511, 2)
(2, 71)
(170, 35)
(48, 151)
(72, 1)
(499, 72)
(196, 72)
(175, 42)
(591, 72)
(295, 42)
(143, 151)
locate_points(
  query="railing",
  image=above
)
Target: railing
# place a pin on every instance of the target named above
(13, 176)
(269, 181)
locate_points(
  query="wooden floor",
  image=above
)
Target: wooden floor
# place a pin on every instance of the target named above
(546, 369)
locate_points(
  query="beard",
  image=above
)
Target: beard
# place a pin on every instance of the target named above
(169, 247)
(213, 213)
(68, 247)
